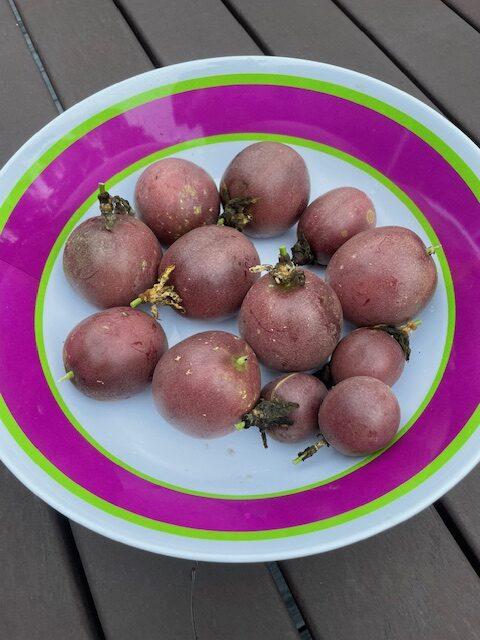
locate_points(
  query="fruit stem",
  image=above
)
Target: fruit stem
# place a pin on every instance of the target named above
(433, 249)
(160, 293)
(266, 414)
(68, 376)
(112, 206)
(310, 451)
(411, 325)
(285, 273)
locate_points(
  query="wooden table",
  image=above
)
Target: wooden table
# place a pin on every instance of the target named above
(417, 581)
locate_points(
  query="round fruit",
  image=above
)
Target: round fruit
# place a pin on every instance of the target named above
(368, 352)
(383, 276)
(265, 189)
(308, 393)
(110, 258)
(174, 196)
(331, 220)
(204, 384)
(211, 271)
(359, 416)
(291, 318)
(112, 354)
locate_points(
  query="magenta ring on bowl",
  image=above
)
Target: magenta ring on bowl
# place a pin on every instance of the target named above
(425, 169)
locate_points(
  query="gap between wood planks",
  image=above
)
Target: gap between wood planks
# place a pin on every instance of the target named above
(273, 567)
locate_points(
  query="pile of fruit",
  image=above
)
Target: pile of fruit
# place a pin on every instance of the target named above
(334, 391)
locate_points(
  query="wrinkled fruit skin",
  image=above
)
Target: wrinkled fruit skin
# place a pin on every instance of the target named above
(333, 218)
(291, 330)
(174, 196)
(199, 390)
(308, 393)
(211, 270)
(275, 174)
(368, 352)
(113, 353)
(359, 416)
(110, 268)
(382, 276)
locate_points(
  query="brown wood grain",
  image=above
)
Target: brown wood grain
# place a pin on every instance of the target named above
(433, 44)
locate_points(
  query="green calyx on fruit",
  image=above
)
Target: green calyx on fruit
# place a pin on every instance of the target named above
(310, 451)
(240, 363)
(401, 334)
(112, 206)
(302, 252)
(433, 249)
(285, 273)
(161, 293)
(266, 414)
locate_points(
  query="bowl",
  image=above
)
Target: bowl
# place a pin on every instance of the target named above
(118, 467)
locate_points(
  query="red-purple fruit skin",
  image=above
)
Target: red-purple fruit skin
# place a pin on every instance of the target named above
(211, 272)
(359, 416)
(308, 392)
(333, 218)
(291, 330)
(382, 276)
(174, 196)
(275, 174)
(113, 353)
(198, 388)
(110, 268)
(368, 352)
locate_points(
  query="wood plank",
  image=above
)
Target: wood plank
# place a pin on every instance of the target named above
(85, 46)
(40, 590)
(25, 102)
(141, 595)
(410, 582)
(318, 30)
(462, 506)
(468, 9)
(433, 44)
(136, 593)
(187, 29)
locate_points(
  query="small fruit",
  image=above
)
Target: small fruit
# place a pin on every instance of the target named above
(329, 221)
(206, 383)
(174, 196)
(265, 189)
(383, 276)
(112, 354)
(110, 258)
